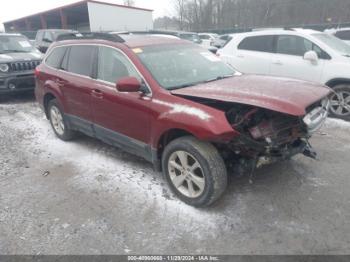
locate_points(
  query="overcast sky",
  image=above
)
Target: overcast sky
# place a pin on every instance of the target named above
(13, 9)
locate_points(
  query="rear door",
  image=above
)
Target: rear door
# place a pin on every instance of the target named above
(288, 61)
(253, 55)
(77, 84)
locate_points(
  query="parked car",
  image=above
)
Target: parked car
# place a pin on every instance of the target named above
(298, 53)
(222, 40)
(341, 33)
(179, 107)
(193, 37)
(208, 39)
(30, 35)
(18, 59)
(190, 36)
(44, 38)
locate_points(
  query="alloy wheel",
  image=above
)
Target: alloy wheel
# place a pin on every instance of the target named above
(57, 120)
(340, 103)
(186, 174)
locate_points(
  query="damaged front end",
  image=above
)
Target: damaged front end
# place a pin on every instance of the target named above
(267, 136)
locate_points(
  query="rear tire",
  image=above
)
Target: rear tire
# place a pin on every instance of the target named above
(195, 171)
(340, 102)
(59, 122)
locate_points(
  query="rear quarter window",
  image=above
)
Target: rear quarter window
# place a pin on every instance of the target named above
(55, 57)
(257, 43)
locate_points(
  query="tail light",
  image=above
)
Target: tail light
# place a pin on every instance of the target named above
(36, 72)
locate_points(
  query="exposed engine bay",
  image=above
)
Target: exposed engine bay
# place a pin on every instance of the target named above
(267, 136)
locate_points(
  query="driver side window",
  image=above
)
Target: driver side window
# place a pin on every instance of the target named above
(113, 65)
(297, 46)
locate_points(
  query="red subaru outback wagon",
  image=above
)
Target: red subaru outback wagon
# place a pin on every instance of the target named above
(179, 107)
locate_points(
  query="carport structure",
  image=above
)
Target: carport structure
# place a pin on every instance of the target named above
(85, 15)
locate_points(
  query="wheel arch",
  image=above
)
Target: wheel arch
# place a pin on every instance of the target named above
(46, 100)
(165, 138)
(338, 81)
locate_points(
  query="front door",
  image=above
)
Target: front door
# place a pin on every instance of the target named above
(122, 119)
(288, 61)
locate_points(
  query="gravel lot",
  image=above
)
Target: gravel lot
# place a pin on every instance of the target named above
(96, 199)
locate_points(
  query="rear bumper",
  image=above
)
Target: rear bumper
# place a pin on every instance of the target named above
(17, 83)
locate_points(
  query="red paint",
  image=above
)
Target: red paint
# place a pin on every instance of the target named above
(278, 94)
(128, 84)
(147, 118)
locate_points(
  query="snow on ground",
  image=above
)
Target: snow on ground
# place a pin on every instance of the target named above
(135, 178)
(97, 199)
(337, 123)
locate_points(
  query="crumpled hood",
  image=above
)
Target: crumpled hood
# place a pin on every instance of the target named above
(13, 57)
(278, 94)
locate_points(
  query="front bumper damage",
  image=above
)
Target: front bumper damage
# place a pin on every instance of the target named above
(275, 140)
(301, 147)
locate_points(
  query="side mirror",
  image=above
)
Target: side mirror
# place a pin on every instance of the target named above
(128, 84)
(311, 56)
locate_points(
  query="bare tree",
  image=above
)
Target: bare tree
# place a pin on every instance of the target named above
(201, 15)
(180, 7)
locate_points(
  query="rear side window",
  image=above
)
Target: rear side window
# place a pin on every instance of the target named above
(343, 35)
(55, 58)
(257, 43)
(81, 60)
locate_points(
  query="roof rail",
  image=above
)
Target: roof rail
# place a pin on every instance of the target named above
(92, 35)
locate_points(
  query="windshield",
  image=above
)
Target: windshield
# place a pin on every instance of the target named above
(15, 44)
(178, 66)
(334, 43)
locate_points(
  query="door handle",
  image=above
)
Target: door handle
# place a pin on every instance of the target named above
(240, 56)
(277, 62)
(97, 93)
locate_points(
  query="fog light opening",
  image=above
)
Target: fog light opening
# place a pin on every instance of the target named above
(12, 86)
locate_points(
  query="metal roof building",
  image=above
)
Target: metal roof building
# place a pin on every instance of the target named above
(87, 15)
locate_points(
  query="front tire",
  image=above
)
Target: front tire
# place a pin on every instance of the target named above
(195, 171)
(59, 122)
(340, 102)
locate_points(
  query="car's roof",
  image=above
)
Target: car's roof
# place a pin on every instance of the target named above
(132, 41)
(57, 30)
(207, 33)
(10, 34)
(294, 31)
(148, 40)
(342, 29)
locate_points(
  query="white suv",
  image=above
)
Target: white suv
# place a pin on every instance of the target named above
(297, 53)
